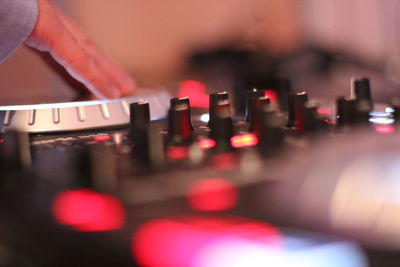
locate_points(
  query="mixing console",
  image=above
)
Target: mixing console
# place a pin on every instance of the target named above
(156, 181)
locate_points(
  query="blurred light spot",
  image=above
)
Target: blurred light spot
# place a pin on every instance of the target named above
(88, 211)
(1, 141)
(381, 120)
(358, 209)
(325, 111)
(101, 138)
(239, 252)
(196, 91)
(177, 152)
(212, 195)
(385, 129)
(225, 161)
(178, 242)
(245, 140)
(207, 143)
(379, 114)
(271, 94)
(205, 117)
(91, 142)
(389, 110)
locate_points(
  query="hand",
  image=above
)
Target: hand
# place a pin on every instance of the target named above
(55, 34)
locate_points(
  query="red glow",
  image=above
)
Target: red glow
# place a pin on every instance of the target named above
(88, 211)
(1, 141)
(245, 140)
(177, 152)
(196, 91)
(271, 94)
(172, 242)
(101, 138)
(385, 129)
(224, 161)
(325, 111)
(212, 195)
(207, 143)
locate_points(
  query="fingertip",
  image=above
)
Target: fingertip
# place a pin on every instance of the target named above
(128, 87)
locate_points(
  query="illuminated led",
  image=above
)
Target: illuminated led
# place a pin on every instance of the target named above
(1, 141)
(205, 117)
(225, 161)
(325, 111)
(207, 143)
(385, 129)
(381, 120)
(271, 94)
(379, 114)
(196, 91)
(88, 211)
(245, 140)
(212, 195)
(177, 152)
(389, 110)
(101, 138)
(178, 241)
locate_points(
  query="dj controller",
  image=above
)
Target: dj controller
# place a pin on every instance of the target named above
(159, 180)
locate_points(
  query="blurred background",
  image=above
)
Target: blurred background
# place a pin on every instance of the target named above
(154, 39)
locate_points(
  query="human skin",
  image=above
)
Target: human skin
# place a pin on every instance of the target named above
(56, 35)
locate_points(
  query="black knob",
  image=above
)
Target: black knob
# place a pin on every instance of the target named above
(349, 112)
(180, 124)
(139, 115)
(252, 95)
(222, 127)
(308, 120)
(15, 151)
(174, 102)
(362, 92)
(395, 104)
(256, 107)
(296, 102)
(147, 148)
(214, 99)
(271, 135)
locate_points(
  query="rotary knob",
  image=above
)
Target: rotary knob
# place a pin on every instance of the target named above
(214, 99)
(296, 102)
(180, 128)
(251, 97)
(222, 127)
(349, 112)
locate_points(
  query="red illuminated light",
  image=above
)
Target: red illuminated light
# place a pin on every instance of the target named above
(196, 91)
(245, 140)
(325, 111)
(385, 129)
(88, 211)
(177, 152)
(180, 241)
(271, 94)
(212, 195)
(224, 161)
(1, 141)
(101, 138)
(207, 143)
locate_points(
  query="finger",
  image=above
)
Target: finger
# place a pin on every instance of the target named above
(68, 53)
(73, 50)
(115, 73)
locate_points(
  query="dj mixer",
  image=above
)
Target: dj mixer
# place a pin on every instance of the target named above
(158, 180)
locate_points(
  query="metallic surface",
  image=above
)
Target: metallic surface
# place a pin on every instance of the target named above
(74, 116)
